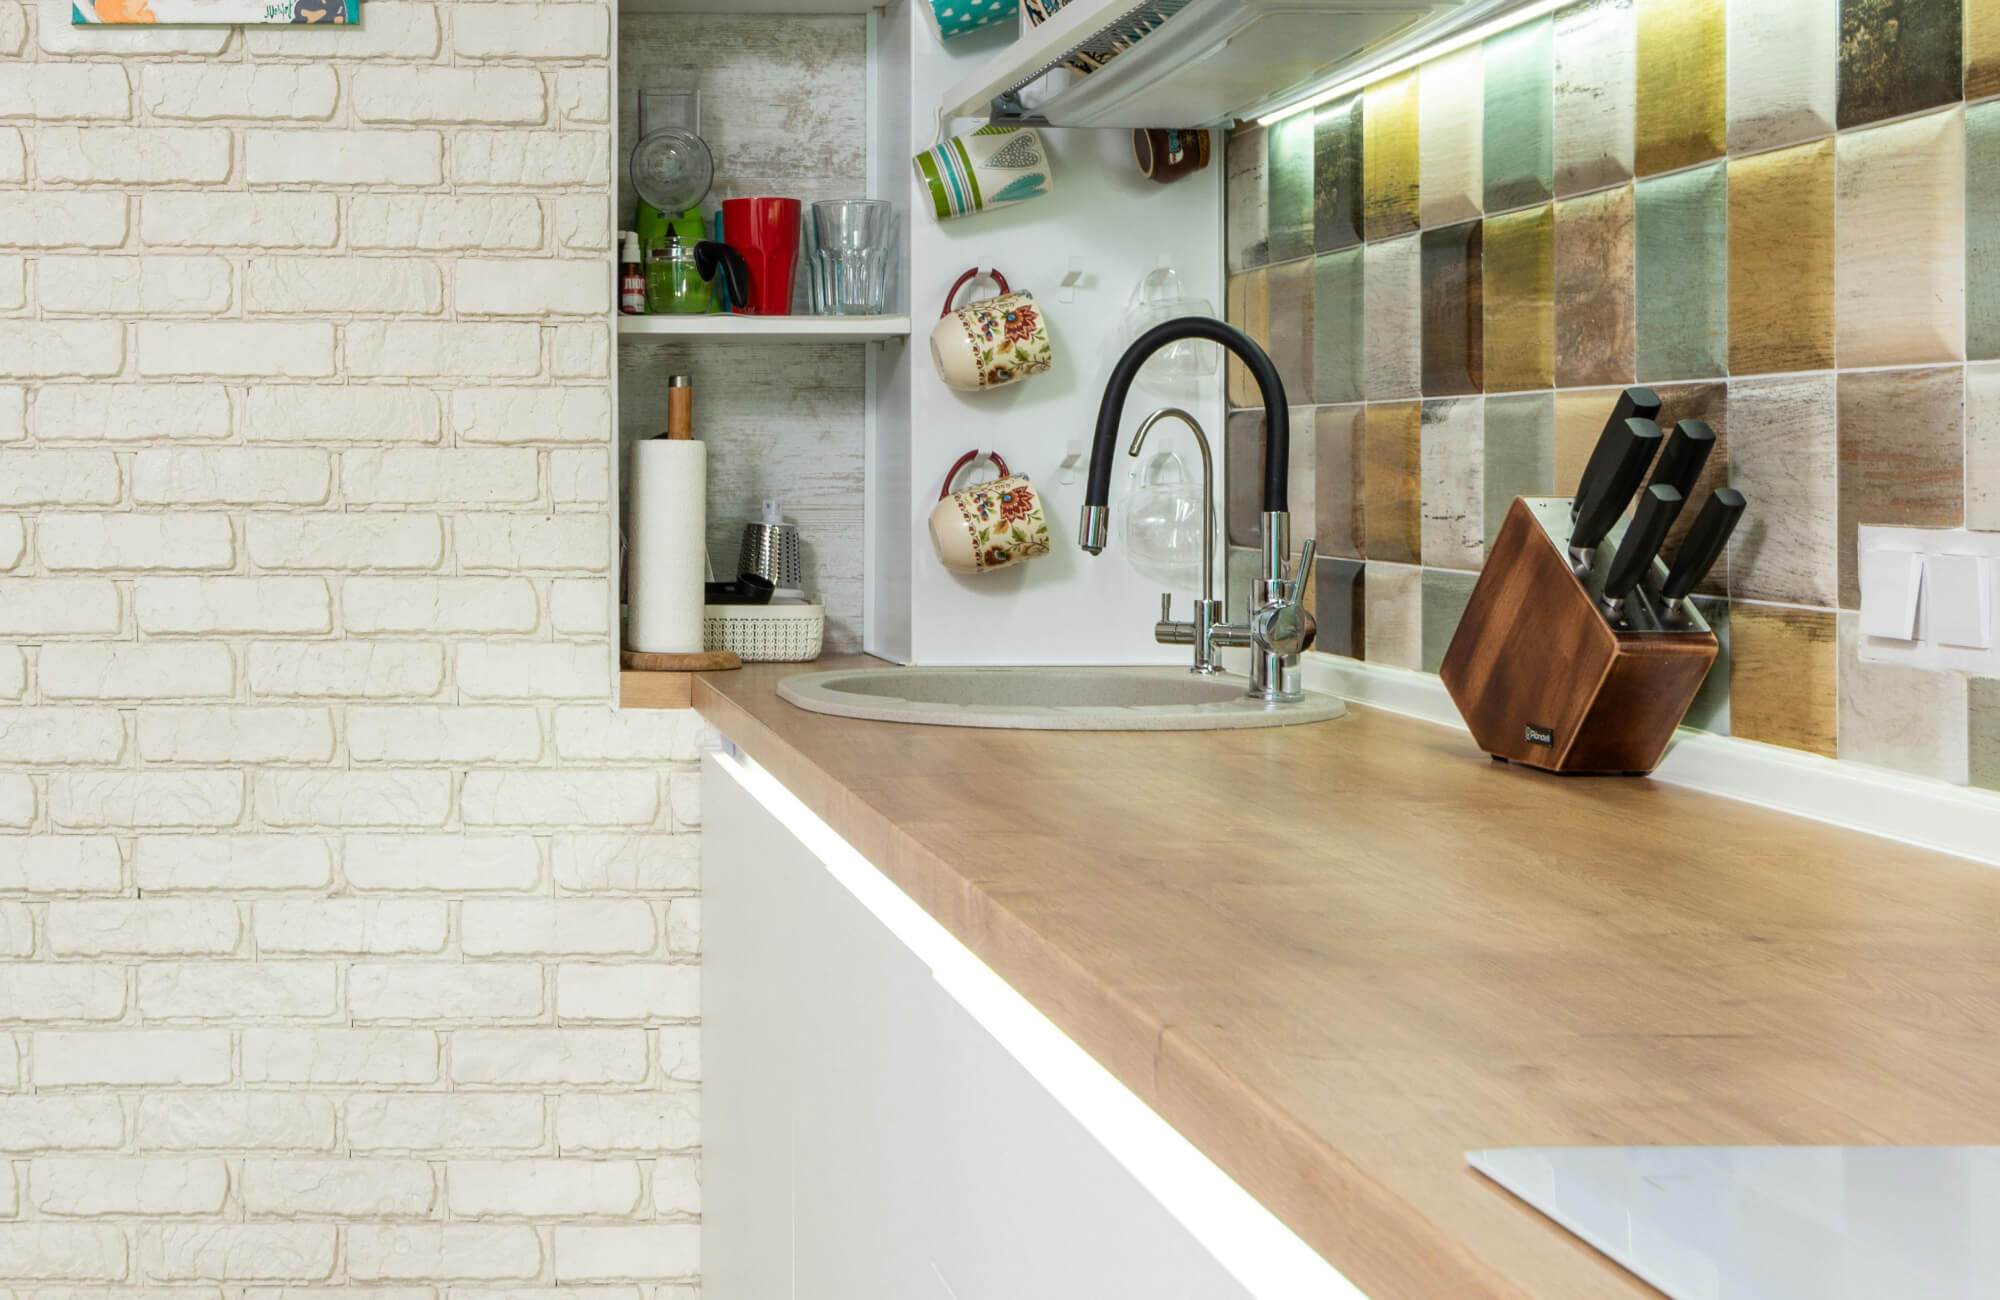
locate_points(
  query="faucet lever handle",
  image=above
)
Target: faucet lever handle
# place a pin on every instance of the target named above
(1303, 573)
(1166, 607)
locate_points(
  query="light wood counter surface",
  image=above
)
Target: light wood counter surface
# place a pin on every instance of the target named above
(1337, 957)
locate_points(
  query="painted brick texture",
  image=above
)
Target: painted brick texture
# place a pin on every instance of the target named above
(348, 938)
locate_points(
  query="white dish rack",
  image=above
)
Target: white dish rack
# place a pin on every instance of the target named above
(781, 632)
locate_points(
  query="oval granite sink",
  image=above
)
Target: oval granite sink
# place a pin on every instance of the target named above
(1048, 699)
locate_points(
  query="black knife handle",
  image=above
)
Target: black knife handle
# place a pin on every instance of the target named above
(1632, 446)
(1704, 543)
(1659, 506)
(1682, 459)
(1633, 404)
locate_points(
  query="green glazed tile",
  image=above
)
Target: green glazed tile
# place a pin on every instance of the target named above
(1982, 232)
(1710, 710)
(1683, 273)
(1985, 733)
(1898, 57)
(1337, 175)
(1246, 213)
(1520, 453)
(1519, 147)
(1446, 594)
(1290, 182)
(1337, 326)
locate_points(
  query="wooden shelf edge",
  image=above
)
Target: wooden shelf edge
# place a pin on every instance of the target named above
(639, 690)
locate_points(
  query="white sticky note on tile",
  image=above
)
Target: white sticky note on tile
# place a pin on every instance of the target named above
(1891, 583)
(1961, 600)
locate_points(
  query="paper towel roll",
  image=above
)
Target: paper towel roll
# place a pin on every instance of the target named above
(665, 539)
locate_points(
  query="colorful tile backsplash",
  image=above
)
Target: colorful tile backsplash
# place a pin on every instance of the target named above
(1783, 215)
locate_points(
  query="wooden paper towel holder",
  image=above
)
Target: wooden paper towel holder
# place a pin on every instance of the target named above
(1545, 678)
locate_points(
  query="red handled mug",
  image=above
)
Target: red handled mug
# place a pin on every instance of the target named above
(988, 525)
(993, 341)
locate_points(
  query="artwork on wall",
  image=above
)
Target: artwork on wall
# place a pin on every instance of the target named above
(213, 12)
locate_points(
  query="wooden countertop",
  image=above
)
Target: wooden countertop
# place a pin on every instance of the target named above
(1337, 957)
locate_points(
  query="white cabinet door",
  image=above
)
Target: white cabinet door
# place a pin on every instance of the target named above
(865, 1137)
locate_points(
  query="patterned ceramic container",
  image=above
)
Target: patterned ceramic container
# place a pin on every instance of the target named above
(994, 167)
(954, 18)
(988, 525)
(993, 342)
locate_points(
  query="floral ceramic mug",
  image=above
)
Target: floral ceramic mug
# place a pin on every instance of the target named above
(988, 525)
(992, 342)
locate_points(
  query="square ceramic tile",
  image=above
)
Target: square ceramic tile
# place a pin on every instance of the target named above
(1247, 212)
(1784, 452)
(1781, 260)
(1782, 676)
(1392, 482)
(1242, 566)
(1784, 61)
(1392, 342)
(1290, 187)
(1339, 453)
(1339, 603)
(1982, 231)
(1389, 167)
(1983, 723)
(1519, 130)
(1301, 476)
(1393, 595)
(1898, 57)
(1453, 318)
(1291, 327)
(1243, 477)
(1338, 326)
(1596, 53)
(1445, 596)
(1517, 261)
(1454, 495)
(1902, 456)
(1682, 110)
(1249, 310)
(1709, 403)
(1683, 275)
(1899, 248)
(1982, 447)
(1596, 329)
(1519, 454)
(1710, 710)
(1337, 175)
(1909, 719)
(1450, 109)
(1580, 416)
(1982, 48)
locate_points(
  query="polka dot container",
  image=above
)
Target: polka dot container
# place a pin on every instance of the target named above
(954, 18)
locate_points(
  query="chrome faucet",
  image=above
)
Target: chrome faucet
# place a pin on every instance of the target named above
(1279, 629)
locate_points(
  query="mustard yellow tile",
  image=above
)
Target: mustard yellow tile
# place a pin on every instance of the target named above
(1250, 311)
(1982, 48)
(1392, 482)
(1782, 676)
(1683, 110)
(1781, 260)
(1580, 417)
(1520, 300)
(1389, 162)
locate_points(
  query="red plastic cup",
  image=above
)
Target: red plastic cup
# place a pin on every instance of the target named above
(766, 233)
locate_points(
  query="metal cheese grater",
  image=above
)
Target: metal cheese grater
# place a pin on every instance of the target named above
(771, 550)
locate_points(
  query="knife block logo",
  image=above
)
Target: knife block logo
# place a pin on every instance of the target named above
(1542, 736)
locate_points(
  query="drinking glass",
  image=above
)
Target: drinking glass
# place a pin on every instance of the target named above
(855, 238)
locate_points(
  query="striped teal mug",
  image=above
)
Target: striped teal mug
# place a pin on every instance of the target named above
(994, 167)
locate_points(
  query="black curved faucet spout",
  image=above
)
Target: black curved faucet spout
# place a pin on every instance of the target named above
(1277, 417)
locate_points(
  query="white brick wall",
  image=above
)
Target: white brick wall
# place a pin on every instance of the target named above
(347, 937)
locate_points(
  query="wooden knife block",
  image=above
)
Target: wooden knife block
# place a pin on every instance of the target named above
(1544, 678)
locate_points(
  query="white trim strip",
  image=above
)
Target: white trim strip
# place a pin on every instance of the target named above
(1268, 1258)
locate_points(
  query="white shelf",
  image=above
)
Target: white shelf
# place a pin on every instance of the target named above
(732, 7)
(770, 329)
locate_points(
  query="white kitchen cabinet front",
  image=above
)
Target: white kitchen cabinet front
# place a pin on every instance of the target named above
(865, 1138)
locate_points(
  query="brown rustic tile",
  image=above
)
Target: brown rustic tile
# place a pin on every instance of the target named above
(1596, 329)
(1247, 212)
(1902, 456)
(1338, 489)
(1291, 326)
(1392, 330)
(1250, 311)
(1389, 169)
(1393, 595)
(1709, 403)
(1450, 107)
(1337, 175)
(1899, 247)
(1579, 417)
(1784, 458)
(1892, 715)
(1339, 603)
(1784, 69)
(1982, 48)
(1453, 496)
(1781, 260)
(1517, 268)
(1898, 57)
(1682, 110)
(1243, 477)
(1596, 68)
(1783, 666)
(1392, 482)
(1453, 318)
